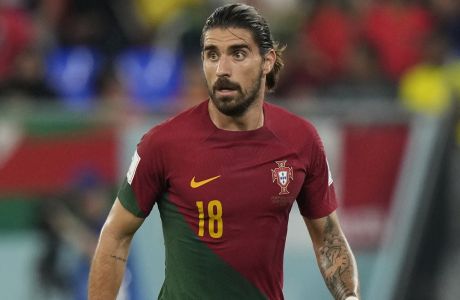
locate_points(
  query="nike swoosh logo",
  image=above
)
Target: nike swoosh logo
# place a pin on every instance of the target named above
(196, 184)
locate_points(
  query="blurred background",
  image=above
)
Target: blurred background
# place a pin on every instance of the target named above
(81, 81)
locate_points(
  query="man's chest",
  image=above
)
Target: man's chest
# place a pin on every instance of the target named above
(238, 180)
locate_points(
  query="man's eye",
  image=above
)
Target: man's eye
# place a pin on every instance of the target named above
(239, 55)
(212, 56)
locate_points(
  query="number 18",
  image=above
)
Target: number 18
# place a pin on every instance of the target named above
(215, 223)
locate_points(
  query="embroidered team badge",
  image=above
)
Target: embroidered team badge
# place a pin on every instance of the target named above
(283, 175)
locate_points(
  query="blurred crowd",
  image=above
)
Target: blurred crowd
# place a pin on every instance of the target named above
(144, 54)
(69, 224)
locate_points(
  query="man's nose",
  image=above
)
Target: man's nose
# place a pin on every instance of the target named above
(224, 67)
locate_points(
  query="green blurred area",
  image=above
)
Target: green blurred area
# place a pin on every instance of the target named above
(55, 128)
(60, 125)
(21, 212)
(52, 120)
(18, 213)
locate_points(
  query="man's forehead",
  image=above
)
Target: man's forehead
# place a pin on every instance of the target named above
(231, 35)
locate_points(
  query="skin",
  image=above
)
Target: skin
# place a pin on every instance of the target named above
(230, 55)
(333, 254)
(235, 72)
(111, 253)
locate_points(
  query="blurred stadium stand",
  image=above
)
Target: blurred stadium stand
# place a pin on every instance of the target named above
(80, 81)
(72, 72)
(151, 76)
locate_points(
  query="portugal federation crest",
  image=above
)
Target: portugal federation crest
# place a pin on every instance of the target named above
(283, 175)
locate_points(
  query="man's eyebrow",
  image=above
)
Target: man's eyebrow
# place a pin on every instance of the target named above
(232, 48)
(239, 46)
(209, 48)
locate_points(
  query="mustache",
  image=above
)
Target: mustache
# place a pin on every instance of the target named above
(224, 83)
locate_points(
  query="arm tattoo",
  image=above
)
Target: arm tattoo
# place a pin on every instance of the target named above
(336, 263)
(118, 258)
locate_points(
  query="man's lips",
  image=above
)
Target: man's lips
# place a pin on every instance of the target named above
(225, 92)
(225, 86)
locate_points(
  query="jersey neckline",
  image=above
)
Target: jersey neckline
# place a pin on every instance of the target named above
(253, 133)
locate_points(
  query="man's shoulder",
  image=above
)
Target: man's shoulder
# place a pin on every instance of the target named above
(282, 120)
(179, 126)
(183, 121)
(296, 131)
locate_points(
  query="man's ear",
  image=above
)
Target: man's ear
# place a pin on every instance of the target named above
(269, 61)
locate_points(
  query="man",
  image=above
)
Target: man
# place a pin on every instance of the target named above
(224, 175)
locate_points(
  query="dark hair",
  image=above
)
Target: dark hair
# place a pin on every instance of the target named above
(244, 16)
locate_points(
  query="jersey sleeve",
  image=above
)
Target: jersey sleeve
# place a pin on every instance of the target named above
(143, 184)
(317, 197)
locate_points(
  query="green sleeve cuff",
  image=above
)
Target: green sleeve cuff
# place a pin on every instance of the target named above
(128, 199)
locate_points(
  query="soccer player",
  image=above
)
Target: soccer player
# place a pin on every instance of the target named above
(224, 175)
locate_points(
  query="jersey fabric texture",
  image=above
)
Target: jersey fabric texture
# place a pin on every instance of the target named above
(224, 199)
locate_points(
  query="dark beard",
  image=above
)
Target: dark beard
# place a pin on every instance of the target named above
(235, 106)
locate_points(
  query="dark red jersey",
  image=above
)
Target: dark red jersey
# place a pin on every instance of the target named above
(224, 199)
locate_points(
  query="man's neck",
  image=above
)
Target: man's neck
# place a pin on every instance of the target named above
(252, 119)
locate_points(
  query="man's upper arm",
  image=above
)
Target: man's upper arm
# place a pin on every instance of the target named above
(121, 222)
(317, 196)
(321, 227)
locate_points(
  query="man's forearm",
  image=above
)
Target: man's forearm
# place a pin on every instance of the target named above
(108, 267)
(337, 263)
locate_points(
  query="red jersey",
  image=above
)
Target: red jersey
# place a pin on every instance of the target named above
(224, 199)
